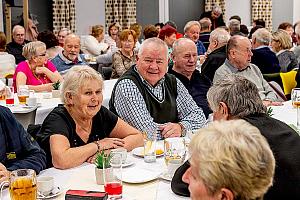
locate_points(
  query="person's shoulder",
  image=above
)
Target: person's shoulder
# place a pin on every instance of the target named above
(4, 111)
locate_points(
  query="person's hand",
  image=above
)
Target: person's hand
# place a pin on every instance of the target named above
(272, 103)
(4, 173)
(170, 130)
(92, 159)
(40, 70)
(111, 143)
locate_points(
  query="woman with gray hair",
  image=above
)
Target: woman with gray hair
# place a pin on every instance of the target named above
(37, 72)
(74, 132)
(229, 160)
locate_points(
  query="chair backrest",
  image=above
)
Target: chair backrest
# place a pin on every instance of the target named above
(288, 81)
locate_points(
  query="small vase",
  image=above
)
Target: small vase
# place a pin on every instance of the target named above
(55, 93)
(99, 175)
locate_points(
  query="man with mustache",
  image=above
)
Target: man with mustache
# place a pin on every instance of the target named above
(70, 55)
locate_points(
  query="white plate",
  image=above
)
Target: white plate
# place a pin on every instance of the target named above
(51, 195)
(136, 175)
(127, 163)
(139, 151)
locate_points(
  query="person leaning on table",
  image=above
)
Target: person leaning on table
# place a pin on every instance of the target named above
(37, 72)
(18, 150)
(235, 97)
(74, 132)
(230, 160)
(152, 100)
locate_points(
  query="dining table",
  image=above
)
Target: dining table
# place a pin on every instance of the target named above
(142, 186)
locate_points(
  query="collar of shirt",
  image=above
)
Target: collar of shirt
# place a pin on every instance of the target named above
(280, 52)
(232, 68)
(159, 83)
(67, 61)
(262, 46)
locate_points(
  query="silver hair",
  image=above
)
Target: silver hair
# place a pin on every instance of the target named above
(190, 24)
(30, 49)
(76, 77)
(234, 25)
(238, 93)
(17, 27)
(262, 35)
(179, 42)
(217, 9)
(158, 43)
(220, 35)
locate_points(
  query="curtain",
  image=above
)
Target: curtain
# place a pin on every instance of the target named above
(262, 9)
(120, 11)
(63, 15)
(209, 4)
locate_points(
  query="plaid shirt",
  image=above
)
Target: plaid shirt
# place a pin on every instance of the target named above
(131, 107)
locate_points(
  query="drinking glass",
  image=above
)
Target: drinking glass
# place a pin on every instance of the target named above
(175, 152)
(23, 93)
(149, 149)
(23, 184)
(10, 95)
(113, 176)
(295, 96)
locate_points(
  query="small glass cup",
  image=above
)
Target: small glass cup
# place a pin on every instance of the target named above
(295, 96)
(175, 152)
(10, 96)
(22, 184)
(23, 93)
(149, 149)
(112, 176)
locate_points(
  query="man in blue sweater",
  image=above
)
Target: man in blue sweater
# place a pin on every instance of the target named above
(18, 150)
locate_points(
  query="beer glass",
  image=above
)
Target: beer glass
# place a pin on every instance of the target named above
(23, 93)
(22, 184)
(295, 96)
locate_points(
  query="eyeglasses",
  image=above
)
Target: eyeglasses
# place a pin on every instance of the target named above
(44, 54)
(19, 35)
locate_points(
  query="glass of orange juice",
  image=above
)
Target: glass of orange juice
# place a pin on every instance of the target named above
(23, 184)
(23, 93)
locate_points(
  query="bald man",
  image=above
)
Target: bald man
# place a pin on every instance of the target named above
(16, 46)
(69, 56)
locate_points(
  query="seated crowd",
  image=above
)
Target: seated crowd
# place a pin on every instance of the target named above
(167, 85)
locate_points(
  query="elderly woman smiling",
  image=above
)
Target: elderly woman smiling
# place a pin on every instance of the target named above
(74, 132)
(36, 72)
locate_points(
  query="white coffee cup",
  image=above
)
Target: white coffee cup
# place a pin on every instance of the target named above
(31, 101)
(123, 151)
(45, 184)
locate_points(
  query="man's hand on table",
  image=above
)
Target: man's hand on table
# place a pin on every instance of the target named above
(4, 173)
(272, 103)
(170, 130)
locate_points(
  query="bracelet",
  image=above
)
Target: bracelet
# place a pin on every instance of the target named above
(98, 145)
(183, 130)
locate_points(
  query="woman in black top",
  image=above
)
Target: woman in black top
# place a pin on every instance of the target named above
(73, 133)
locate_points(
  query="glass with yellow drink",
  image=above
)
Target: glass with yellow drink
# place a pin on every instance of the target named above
(22, 185)
(23, 93)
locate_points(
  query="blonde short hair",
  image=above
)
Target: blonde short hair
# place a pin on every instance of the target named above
(190, 24)
(30, 49)
(233, 155)
(76, 77)
(283, 39)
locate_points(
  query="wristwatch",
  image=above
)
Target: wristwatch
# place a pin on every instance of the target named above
(98, 145)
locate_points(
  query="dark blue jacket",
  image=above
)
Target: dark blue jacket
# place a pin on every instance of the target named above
(17, 148)
(197, 87)
(265, 60)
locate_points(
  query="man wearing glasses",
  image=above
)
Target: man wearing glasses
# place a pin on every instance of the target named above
(15, 47)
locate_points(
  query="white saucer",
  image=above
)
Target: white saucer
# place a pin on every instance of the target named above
(51, 195)
(139, 151)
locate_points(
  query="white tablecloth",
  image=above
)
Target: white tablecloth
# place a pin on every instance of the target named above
(285, 113)
(83, 178)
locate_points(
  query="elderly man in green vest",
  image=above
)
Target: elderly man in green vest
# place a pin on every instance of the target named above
(153, 101)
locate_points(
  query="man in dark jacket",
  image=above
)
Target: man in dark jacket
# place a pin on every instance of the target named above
(235, 97)
(185, 58)
(16, 46)
(263, 57)
(17, 148)
(217, 47)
